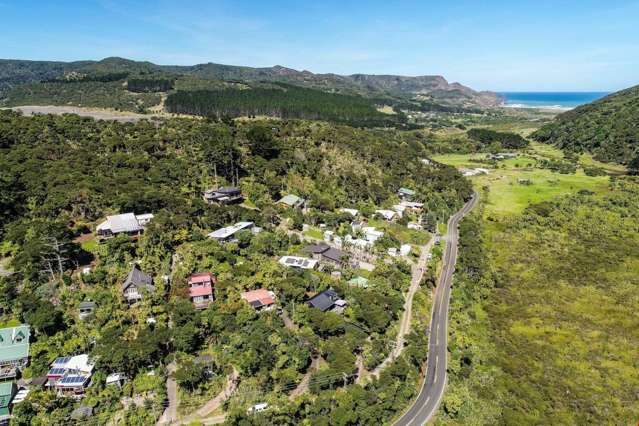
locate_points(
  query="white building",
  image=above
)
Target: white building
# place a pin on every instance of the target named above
(127, 223)
(227, 233)
(386, 214)
(298, 262)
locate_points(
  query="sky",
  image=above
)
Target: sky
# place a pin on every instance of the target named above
(524, 45)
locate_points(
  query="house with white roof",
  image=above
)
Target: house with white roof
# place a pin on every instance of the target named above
(389, 215)
(227, 233)
(127, 223)
(298, 262)
(70, 375)
(352, 212)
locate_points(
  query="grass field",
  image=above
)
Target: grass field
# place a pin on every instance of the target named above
(507, 196)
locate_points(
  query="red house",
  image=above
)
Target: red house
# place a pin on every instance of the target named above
(201, 289)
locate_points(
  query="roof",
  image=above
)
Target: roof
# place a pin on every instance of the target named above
(298, 262)
(78, 363)
(114, 378)
(224, 233)
(291, 200)
(316, 248)
(358, 281)
(387, 214)
(38, 381)
(200, 291)
(126, 222)
(406, 191)
(324, 301)
(87, 305)
(352, 212)
(139, 279)
(334, 254)
(6, 393)
(14, 343)
(201, 277)
(258, 298)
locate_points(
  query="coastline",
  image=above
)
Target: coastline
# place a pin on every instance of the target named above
(551, 108)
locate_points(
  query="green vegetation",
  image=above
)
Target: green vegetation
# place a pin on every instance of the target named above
(143, 85)
(61, 175)
(284, 101)
(82, 93)
(497, 140)
(606, 128)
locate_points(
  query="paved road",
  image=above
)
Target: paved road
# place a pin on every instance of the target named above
(432, 390)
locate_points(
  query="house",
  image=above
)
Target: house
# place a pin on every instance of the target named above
(227, 233)
(292, 201)
(392, 251)
(359, 243)
(405, 193)
(358, 281)
(399, 210)
(127, 223)
(405, 249)
(70, 376)
(7, 391)
(357, 225)
(201, 289)
(328, 300)
(412, 206)
(298, 262)
(326, 253)
(260, 299)
(117, 379)
(371, 234)
(502, 156)
(414, 225)
(136, 284)
(258, 408)
(85, 309)
(388, 215)
(352, 212)
(19, 397)
(223, 195)
(14, 350)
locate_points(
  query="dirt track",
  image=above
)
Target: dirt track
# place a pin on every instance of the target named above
(127, 117)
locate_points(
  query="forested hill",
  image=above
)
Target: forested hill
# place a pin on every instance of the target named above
(73, 170)
(428, 88)
(609, 128)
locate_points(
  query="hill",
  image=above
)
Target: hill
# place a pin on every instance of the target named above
(608, 128)
(422, 88)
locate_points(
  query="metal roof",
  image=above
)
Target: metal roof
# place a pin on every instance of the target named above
(14, 343)
(138, 279)
(324, 301)
(224, 233)
(291, 200)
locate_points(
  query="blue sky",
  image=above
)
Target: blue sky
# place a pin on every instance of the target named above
(497, 45)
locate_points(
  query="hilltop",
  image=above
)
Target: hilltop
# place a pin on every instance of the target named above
(428, 88)
(607, 128)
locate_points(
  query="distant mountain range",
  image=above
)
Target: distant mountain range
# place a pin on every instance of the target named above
(429, 89)
(608, 128)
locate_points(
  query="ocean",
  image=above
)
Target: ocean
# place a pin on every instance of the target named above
(552, 100)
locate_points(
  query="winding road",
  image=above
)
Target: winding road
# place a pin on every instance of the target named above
(432, 389)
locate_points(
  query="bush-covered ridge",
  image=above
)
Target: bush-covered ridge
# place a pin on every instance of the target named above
(608, 128)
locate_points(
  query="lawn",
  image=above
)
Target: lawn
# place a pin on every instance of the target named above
(506, 196)
(314, 233)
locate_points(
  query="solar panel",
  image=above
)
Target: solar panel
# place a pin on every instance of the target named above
(62, 360)
(72, 380)
(56, 372)
(290, 261)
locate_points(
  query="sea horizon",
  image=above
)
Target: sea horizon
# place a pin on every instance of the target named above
(549, 100)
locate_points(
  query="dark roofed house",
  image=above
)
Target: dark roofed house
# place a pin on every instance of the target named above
(135, 283)
(85, 309)
(405, 194)
(328, 300)
(224, 195)
(326, 253)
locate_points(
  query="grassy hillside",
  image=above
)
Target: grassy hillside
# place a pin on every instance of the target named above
(608, 128)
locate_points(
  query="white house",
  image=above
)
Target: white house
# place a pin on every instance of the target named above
(227, 233)
(352, 212)
(404, 249)
(127, 223)
(386, 214)
(298, 262)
